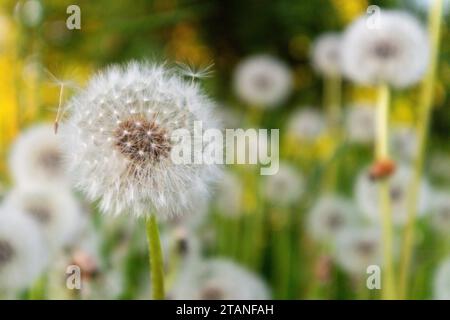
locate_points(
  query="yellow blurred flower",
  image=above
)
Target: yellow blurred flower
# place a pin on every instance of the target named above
(349, 10)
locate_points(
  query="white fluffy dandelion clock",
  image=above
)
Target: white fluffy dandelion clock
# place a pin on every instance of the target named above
(441, 281)
(440, 210)
(326, 54)
(56, 212)
(228, 201)
(120, 140)
(306, 124)
(330, 215)
(285, 187)
(37, 158)
(262, 81)
(220, 279)
(368, 200)
(360, 124)
(357, 248)
(395, 51)
(23, 254)
(404, 143)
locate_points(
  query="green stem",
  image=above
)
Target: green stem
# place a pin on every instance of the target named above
(382, 153)
(425, 108)
(332, 99)
(156, 259)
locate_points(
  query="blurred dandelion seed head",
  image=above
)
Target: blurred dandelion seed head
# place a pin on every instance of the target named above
(396, 52)
(329, 215)
(22, 251)
(229, 192)
(357, 248)
(285, 187)
(404, 143)
(262, 81)
(368, 200)
(360, 124)
(220, 279)
(55, 211)
(306, 124)
(37, 158)
(326, 54)
(441, 281)
(440, 210)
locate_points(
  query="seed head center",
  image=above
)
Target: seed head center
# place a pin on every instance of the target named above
(142, 140)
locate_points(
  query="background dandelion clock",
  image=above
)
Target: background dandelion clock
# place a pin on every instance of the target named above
(306, 124)
(220, 279)
(285, 187)
(37, 158)
(262, 81)
(326, 56)
(441, 281)
(329, 216)
(119, 139)
(360, 124)
(55, 211)
(394, 50)
(368, 201)
(23, 255)
(357, 248)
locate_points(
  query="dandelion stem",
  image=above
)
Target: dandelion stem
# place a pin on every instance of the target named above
(382, 152)
(425, 108)
(156, 259)
(332, 101)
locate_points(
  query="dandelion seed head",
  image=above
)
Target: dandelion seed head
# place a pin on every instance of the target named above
(37, 158)
(329, 216)
(140, 176)
(306, 124)
(368, 200)
(440, 210)
(54, 210)
(396, 52)
(358, 247)
(285, 187)
(326, 54)
(262, 81)
(219, 279)
(23, 255)
(360, 124)
(228, 200)
(441, 289)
